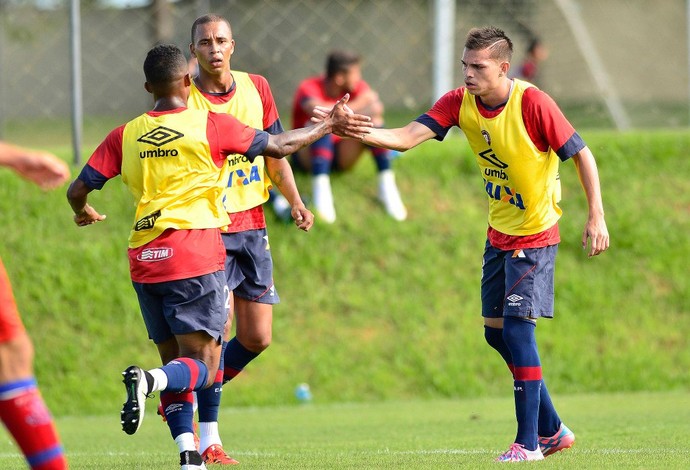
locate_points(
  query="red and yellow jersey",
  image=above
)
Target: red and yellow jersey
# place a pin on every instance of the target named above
(520, 179)
(167, 166)
(173, 162)
(518, 145)
(250, 101)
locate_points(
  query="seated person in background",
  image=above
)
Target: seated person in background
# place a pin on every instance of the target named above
(529, 68)
(343, 75)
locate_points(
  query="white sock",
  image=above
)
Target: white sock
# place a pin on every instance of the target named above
(323, 198)
(185, 441)
(160, 380)
(280, 204)
(390, 196)
(208, 435)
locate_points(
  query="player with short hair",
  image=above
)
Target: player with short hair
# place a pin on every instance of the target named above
(343, 75)
(248, 263)
(173, 160)
(518, 136)
(22, 408)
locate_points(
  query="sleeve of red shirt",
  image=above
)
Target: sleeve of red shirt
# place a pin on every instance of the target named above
(271, 118)
(362, 87)
(105, 162)
(227, 135)
(547, 126)
(444, 114)
(107, 158)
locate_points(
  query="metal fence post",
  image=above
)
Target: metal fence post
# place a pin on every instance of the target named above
(77, 102)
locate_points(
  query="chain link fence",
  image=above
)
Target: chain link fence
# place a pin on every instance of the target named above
(641, 44)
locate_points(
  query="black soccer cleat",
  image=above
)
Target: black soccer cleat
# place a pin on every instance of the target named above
(132, 413)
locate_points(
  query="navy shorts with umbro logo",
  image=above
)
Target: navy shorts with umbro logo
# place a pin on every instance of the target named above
(518, 283)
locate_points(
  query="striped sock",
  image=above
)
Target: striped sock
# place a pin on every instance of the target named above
(519, 336)
(27, 418)
(236, 358)
(179, 412)
(549, 421)
(185, 374)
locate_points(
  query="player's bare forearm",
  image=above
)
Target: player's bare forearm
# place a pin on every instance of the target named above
(589, 179)
(401, 139)
(77, 196)
(281, 175)
(595, 228)
(42, 168)
(291, 141)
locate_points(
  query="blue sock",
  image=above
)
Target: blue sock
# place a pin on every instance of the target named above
(185, 374)
(322, 153)
(236, 358)
(179, 411)
(208, 399)
(382, 157)
(549, 421)
(520, 339)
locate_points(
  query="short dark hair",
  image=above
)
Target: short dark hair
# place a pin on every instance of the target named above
(340, 61)
(210, 18)
(164, 64)
(490, 37)
(533, 44)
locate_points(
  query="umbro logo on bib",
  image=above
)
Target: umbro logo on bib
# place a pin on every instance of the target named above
(160, 136)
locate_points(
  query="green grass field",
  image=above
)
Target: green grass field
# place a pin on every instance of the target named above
(614, 431)
(382, 320)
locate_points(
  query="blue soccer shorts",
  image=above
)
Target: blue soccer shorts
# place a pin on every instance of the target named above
(249, 266)
(184, 306)
(518, 283)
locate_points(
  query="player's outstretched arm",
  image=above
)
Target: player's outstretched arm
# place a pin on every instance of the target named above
(42, 168)
(77, 195)
(401, 139)
(595, 231)
(339, 120)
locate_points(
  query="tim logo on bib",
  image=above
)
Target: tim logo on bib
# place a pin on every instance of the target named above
(155, 254)
(147, 222)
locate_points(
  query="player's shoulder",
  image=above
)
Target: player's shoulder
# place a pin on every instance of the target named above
(534, 93)
(452, 98)
(255, 77)
(222, 119)
(259, 81)
(537, 99)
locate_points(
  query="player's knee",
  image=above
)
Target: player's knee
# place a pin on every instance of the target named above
(493, 336)
(258, 343)
(517, 331)
(16, 358)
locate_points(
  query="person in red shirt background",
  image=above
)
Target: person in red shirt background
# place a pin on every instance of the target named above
(528, 70)
(343, 75)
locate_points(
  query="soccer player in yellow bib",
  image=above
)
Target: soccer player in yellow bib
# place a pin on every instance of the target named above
(518, 136)
(174, 162)
(249, 265)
